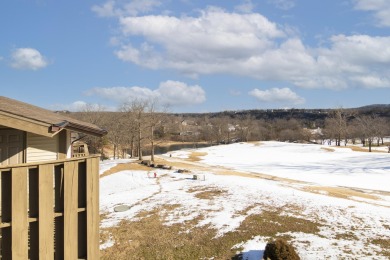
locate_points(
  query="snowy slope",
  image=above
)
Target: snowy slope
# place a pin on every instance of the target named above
(303, 162)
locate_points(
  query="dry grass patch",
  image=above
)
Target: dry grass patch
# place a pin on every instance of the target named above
(194, 156)
(169, 143)
(346, 236)
(257, 143)
(149, 238)
(361, 149)
(135, 166)
(180, 163)
(327, 149)
(269, 223)
(207, 193)
(387, 226)
(384, 243)
(339, 192)
(225, 171)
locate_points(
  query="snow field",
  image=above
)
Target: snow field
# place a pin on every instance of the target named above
(347, 226)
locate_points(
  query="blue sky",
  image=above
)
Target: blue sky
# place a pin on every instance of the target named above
(196, 56)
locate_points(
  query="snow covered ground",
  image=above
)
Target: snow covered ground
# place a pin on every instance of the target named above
(347, 226)
(306, 162)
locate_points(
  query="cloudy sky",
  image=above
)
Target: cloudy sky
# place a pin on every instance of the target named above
(196, 56)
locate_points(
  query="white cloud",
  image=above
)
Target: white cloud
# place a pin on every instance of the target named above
(144, 56)
(372, 81)
(246, 7)
(119, 8)
(140, 6)
(250, 45)
(210, 43)
(106, 10)
(28, 58)
(173, 93)
(350, 58)
(234, 92)
(177, 93)
(75, 106)
(282, 95)
(123, 94)
(283, 4)
(380, 8)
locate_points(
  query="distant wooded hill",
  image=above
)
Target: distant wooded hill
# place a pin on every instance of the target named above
(307, 116)
(140, 127)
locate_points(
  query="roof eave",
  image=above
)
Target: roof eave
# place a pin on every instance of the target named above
(86, 130)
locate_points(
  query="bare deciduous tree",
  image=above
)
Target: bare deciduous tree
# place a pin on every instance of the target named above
(155, 118)
(336, 126)
(143, 118)
(135, 111)
(369, 128)
(94, 114)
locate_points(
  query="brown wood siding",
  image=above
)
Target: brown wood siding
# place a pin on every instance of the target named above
(63, 146)
(11, 146)
(41, 148)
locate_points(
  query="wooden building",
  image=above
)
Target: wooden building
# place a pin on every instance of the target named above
(49, 197)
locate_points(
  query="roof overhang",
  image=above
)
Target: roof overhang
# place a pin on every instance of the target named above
(45, 129)
(25, 124)
(78, 128)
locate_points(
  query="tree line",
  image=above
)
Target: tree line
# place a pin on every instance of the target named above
(140, 125)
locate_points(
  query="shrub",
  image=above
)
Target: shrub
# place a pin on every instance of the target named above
(280, 250)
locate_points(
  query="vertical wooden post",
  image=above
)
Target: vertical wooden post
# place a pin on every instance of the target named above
(46, 212)
(31, 191)
(6, 212)
(59, 207)
(33, 212)
(70, 210)
(93, 218)
(19, 223)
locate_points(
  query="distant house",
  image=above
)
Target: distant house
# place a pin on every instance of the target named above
(49, 197)
(188, 122)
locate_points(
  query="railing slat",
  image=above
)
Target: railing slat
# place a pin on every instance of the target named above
(19, 213)
(70, 210)
(50, 210)
(46, 212)
(93, 208)
(6, 211)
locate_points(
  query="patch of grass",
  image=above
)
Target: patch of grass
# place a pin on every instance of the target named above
(125, 166)
(207, 193)
(362, 149)
(340, 192)
(149, 238)
(327, 149)
(257, 143)
(384, 243)
(346, 236)
(195, 156)
(269, 223)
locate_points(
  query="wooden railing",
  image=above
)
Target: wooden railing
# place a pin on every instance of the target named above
(50, 210)
(76, 155)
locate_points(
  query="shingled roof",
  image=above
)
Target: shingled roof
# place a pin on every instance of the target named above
(20, 115)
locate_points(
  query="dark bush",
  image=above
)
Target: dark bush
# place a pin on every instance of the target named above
(280, 250)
